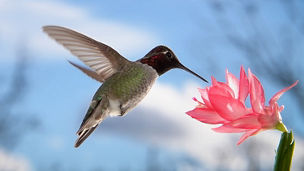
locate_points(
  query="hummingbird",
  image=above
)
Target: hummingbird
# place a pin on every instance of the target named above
(124, 83)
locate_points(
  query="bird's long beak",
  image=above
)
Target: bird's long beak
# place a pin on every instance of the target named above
(181, 66)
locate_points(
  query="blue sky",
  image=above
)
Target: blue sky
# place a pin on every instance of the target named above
(58, 94)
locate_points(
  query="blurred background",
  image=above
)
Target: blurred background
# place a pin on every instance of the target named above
(43, 98)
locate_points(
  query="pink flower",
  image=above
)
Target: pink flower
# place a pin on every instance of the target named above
(224, 103)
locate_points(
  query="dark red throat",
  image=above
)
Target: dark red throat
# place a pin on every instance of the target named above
(159, 63)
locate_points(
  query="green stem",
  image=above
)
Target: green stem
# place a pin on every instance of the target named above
(284, 152)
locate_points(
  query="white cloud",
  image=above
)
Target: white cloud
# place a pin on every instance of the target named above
(160, 119)
(12, 162)
(22, 21)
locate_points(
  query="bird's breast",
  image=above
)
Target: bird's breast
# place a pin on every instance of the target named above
(125, 89)
(114, 107)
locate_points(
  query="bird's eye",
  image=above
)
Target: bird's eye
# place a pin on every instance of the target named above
(169, 55)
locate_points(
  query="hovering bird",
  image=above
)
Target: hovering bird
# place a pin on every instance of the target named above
(125, 83)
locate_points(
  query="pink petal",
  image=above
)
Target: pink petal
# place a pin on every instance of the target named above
(250, 121)
(280, 93)
(213, 81)
(247, 134)
(228, 129)
(269, 121)
(281, 108)
(204, 95)
(273, 116)
(233, 83)
(257, 98)
(199, 103)
(222, 90)
(244, 86)
(227, 107)
(206, 115)
(227, 89)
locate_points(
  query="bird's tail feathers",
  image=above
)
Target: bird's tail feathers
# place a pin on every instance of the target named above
(97, 112)
(87, 128)
(83, 135)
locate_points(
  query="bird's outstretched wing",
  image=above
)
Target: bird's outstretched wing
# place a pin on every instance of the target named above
(102, 59)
